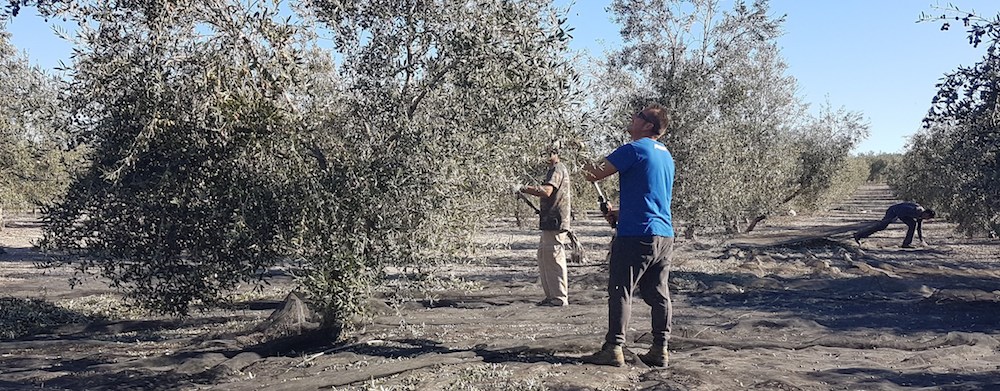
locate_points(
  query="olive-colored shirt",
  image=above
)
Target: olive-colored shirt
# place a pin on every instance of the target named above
(554, 212)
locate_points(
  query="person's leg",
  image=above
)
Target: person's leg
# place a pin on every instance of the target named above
(625, 270)
(911, 224)
(873, 228)
(545, 257)
(655, 291)
(557, 273)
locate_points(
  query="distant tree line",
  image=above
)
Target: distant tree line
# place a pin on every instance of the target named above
(36, 156)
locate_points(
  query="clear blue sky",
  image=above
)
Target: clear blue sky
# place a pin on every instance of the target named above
(866, 55)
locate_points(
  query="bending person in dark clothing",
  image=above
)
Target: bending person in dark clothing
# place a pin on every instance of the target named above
(910, 213)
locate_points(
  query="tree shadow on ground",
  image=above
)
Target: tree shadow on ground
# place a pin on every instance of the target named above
(405, 348)
(26, 255)
(132, 379)
(943, 256)
(522, 355)
(472, 302)
(844, 304)
(153, 325)
(420, 347)
(24, 222)
(948, 381)
(253, 305)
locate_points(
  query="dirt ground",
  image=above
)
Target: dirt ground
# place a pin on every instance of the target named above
(823, 315)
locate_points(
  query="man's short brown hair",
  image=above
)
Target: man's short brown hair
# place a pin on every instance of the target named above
(661, 116)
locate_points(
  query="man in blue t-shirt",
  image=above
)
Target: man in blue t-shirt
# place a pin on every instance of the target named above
(641, 250)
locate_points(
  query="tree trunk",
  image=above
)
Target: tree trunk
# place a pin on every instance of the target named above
(753, 223)
(689, 232)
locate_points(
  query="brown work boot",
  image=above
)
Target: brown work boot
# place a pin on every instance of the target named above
(608, 355)
(656, 356)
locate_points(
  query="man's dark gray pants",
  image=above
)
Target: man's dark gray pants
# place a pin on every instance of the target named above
(644, 263)
(910, 222)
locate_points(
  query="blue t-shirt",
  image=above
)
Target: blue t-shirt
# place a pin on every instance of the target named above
(646, 176)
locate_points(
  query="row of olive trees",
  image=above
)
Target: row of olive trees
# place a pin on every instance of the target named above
(952, 164)
(35, 159)
(745, 144)
(225, 139)
(880, 166)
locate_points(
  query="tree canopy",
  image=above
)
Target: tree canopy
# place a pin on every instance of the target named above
(953, 163)
(336, 139)
(36, 158)
(746, 146)
(226, 141)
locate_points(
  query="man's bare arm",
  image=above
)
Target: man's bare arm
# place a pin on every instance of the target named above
(544, 190)
(596, 171)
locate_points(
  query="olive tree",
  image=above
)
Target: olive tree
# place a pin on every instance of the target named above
(35, 158)
(881, 166)
(227, 141)
(740, 157)
(665, 58)
(12, 8)
(444, 104)
(951, 164)
(822, 145)
(745, 145)
(186, 108)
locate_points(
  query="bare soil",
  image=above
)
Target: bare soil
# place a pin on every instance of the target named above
(819, 315)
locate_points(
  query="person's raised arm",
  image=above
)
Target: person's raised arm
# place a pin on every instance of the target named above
(596, 171)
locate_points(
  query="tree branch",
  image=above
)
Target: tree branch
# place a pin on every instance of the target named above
(430, 86)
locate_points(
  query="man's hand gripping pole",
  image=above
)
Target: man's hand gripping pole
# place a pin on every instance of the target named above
(527, 201)
(603, 202)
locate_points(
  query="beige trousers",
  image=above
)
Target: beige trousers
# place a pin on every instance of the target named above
(552, 264)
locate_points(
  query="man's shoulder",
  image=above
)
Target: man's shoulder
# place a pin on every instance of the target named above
(558, 175)
(561, 168)
(649, 144)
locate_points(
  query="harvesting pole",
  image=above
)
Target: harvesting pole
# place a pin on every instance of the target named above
(603, 202)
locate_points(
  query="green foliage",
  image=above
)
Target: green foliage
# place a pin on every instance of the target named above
(845, 182)
(823, 148)
(443, 105)
(185, 110)
(20, 317)
(11, 8)
(952, 164)
(35, 159)
(881, 166)
(743, 143)
(225, 142)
